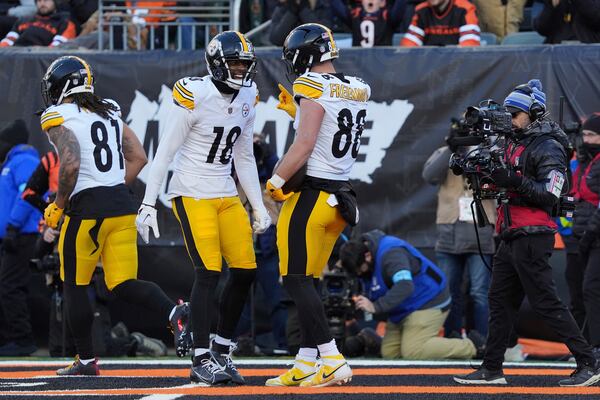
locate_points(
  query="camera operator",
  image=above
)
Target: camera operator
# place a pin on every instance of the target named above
(586, 227)
(400, 282)
(533, 177)
(456, 247)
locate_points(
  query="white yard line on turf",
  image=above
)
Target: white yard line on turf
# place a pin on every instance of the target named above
(162, 397)
(268, 362)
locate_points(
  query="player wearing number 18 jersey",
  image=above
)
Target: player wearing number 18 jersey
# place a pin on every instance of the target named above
(98, 155)
(212, 124)
(330, 118)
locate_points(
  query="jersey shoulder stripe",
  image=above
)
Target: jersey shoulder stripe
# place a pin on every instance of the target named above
(308, 87)
(182, 96)
(51, 118)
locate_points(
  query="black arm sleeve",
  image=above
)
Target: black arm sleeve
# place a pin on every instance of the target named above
(37, 186)
(394, 261)
(547, 157)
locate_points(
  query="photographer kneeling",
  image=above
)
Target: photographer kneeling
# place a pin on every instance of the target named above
(412, 291)
(531, 176)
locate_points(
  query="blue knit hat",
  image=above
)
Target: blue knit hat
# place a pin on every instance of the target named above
(522, 97)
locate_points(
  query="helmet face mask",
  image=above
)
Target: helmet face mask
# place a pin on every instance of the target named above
(306, 45)
(66, 76)
(224, 56)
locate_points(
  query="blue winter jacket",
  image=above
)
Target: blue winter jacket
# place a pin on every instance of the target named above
(20, 163)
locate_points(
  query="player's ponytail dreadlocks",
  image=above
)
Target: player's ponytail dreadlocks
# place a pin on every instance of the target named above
(94, 103)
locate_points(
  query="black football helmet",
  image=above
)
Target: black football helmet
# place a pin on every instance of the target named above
(308, 44)
(66, 76)
(226, 47)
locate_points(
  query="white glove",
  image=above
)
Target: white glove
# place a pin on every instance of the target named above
(262, 220)
(145, 220)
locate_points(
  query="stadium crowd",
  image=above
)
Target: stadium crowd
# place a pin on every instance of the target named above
(366, 23)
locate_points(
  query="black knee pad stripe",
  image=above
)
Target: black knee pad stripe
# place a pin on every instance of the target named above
(70, 251)
(187, 233)
(297, 257)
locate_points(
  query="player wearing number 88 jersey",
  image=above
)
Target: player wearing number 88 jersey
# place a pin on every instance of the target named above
(329, 120)
(212, 127)
(98, 155)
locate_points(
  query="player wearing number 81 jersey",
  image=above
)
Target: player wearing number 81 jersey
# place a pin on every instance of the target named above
(212, 127)
(98, 155)
(329, 120)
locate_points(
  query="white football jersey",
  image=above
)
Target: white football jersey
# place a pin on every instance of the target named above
(217, 127)
(344, 99)
(102, 162)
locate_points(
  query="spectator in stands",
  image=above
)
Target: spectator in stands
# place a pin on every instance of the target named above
(18, 231)
(46, 28)
(500, 17)
(443, 22)
(371, 23)
(586, 225)
(562, 20)
(457, 249)
(292, 13)
(412, 291)
(11, 10)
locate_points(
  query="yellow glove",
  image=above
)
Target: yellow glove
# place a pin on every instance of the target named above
(52, 215)
(277, 193)
(286, 101)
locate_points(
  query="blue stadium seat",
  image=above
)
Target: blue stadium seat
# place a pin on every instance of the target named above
(343, 40)
(523, 38)
(397, 38)
(488, 39)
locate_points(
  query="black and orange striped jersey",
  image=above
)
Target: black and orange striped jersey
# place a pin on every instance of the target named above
(40, 30)
(458, 24)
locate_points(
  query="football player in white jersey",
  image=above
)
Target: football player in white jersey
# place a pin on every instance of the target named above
(98, 155)
(330, 111)
(212, 127)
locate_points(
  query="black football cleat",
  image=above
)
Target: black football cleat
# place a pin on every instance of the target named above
(179, 325)
(79, 369)
(225, 362)
(205, 372)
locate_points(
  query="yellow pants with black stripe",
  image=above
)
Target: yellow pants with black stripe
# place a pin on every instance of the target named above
(307, 230)
(84, 241)
(214, 229)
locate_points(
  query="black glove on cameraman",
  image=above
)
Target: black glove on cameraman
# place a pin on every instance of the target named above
(506, 178)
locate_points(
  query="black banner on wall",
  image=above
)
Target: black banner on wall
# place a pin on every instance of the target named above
(415, 92)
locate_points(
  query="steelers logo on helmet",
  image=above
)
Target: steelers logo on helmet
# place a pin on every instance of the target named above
(308, 44)
(66, 76)
(231, 59)
(213, 47)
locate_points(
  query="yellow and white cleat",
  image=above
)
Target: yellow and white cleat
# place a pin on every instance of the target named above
(295, 376)
(333, 371)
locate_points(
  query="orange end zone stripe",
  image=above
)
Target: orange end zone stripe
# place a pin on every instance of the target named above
(263, 390)
(184, 372)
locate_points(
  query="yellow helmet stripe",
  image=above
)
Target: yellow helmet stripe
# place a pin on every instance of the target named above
(243, 39)
(330, 35)
(87, 70)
